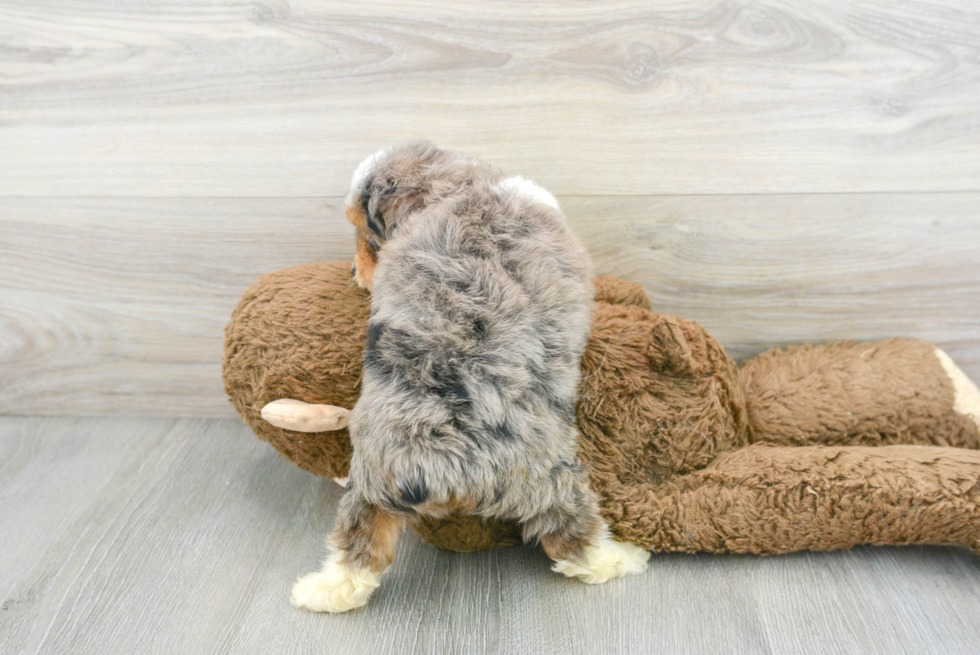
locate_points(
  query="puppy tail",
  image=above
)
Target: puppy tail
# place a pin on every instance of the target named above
(413, 489)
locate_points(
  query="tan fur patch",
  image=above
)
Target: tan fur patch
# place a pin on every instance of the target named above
(364, 262)
(560, 547)
(365, 258)
(371, 542)
(386, 529)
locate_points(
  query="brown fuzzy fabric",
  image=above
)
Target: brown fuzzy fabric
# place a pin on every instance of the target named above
(810, 448)
(299, 333)
(614, 291)
(858, 394)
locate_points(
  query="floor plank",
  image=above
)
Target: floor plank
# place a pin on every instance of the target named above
(804, 600)
(117, 306)
(626, 98)
(164, 535)
(165, 552)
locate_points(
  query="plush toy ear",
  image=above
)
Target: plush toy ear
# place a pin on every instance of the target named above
(298, 416)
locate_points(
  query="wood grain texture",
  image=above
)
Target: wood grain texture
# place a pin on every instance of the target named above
(809, 599)
(166, 536)
(618, 98)
(117, 306)
(768, 271)
(158, 157)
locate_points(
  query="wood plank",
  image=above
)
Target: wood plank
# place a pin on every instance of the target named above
(768, 271)
(806, 600)
(164, 551)
(50, 471)
(162, 536)
(117, 306)
(701, 96)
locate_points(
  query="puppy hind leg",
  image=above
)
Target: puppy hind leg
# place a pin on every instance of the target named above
(574, 535)
(362, 546)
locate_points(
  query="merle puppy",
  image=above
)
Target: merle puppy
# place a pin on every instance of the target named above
(480, 309)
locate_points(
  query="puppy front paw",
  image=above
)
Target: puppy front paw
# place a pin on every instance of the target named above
(605, 560)
(335, 588)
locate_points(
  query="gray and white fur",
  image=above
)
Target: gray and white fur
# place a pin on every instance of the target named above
(480, 310)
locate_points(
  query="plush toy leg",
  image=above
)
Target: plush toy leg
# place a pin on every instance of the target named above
(765, 499)
(362, 545)
(898, 391)
(966, 396)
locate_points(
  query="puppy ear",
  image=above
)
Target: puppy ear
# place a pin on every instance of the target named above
(380, 205)
(374, 219)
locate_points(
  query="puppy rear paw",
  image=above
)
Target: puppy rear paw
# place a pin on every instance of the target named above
(335, 588)
(605, 560)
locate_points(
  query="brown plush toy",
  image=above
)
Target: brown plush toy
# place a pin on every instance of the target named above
(815, 448)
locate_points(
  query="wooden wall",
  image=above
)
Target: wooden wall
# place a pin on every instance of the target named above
(779, 171)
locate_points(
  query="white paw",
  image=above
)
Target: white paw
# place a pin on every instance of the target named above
(335, 588)
(605, 560)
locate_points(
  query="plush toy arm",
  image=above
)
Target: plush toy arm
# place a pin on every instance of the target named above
(298, 416)
(897, 391)
(767, 499)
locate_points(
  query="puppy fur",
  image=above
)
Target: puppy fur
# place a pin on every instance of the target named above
(480, 310)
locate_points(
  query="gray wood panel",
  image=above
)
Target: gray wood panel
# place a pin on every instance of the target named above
(811, 600)
(184, 536)
(624, 98)
(768, 271)
(116, 306)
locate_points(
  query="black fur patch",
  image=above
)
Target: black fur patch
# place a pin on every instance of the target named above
(460, 285)
(457, 425)
(375, 330)
(501, 431)
(411, 355)
(565, 466)
(376, 223)
(414, 492)
(372, 354)
(451, 388)
(480, 328)
(447, 382)
(366, 195)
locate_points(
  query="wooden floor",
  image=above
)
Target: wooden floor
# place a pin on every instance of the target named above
(183, 536)
(779, 171)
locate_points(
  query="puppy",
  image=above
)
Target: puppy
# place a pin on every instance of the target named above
(480, 310)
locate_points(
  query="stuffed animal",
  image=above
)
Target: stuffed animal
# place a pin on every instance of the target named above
(809, 448)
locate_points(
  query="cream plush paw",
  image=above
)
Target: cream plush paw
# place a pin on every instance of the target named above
(335, 588)
(605, 560)
(966, 395)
